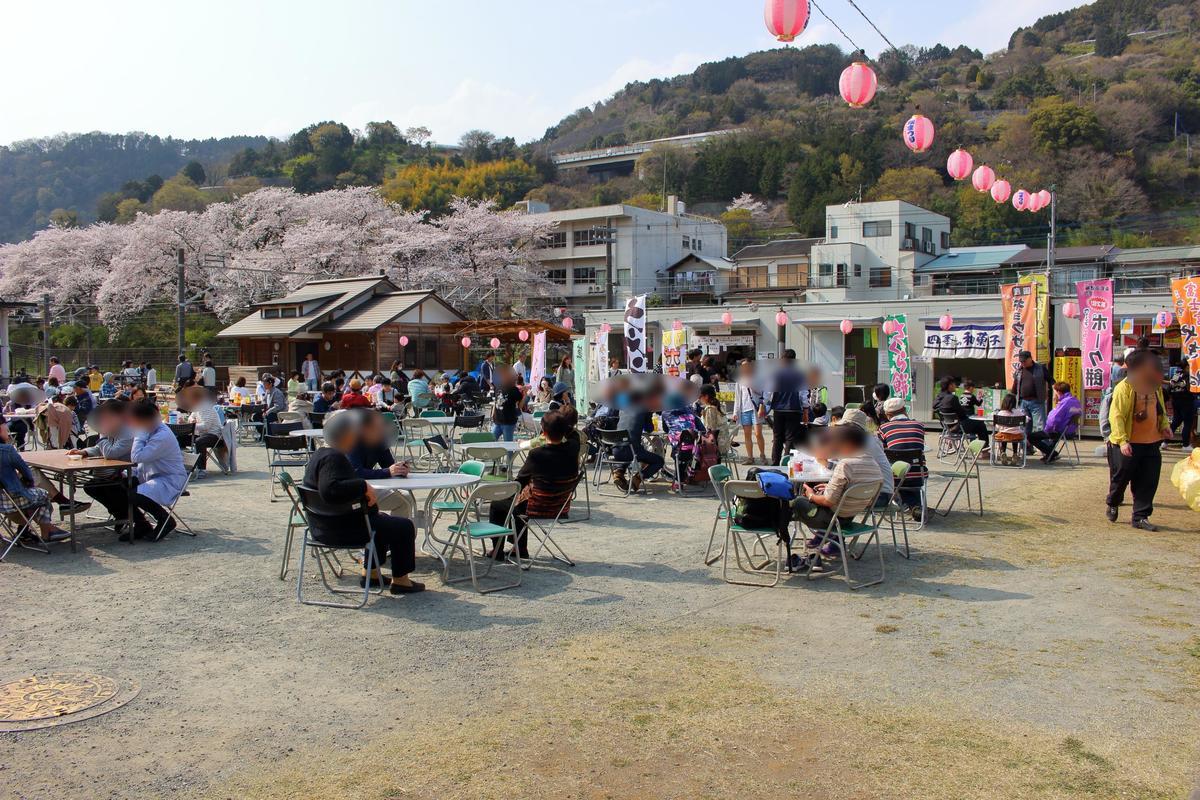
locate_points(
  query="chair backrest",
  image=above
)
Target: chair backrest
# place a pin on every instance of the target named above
(480, 452)
(949, 420)
(749, 489)
(860, 494)
(183, 428)
(316, 419)
(284, 428)
(422, 399)
(475, 468)
(900, 470)
(1009, 421)
(718, 475)
(285, 443)
(290, 416)
(615, 438)
(416, 426)
(189, 462)
(468, 421)
(431, 412)
(477, 437)
(310, 496)
(852, 406)
(493, 492)
(583, 451)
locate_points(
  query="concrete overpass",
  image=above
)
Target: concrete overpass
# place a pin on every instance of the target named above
(609, 158)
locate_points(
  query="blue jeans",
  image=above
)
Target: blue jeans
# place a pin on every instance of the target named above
(504, 433)
(311, 383)
(1036, 413)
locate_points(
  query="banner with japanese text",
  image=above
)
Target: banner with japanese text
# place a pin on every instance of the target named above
(600, 354)
(1069, 370)
(537, 362)
(636, 358)
(1095, 331)
(673, 342)
(1042, 352)
(579, 358)
(1186, 294)
(898, 358)
(1019, 304)
(965, 341)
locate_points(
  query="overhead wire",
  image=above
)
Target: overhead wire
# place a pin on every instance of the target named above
(873, 25)
(845, 35)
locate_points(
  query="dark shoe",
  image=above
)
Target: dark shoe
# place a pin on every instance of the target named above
(396, 588)
(164, 529)
(65, 506)
(1111, 513)
(376, 582)
(1144, 525)
(138, 533)
(620, 481)
(58, 535)
(1054, 457)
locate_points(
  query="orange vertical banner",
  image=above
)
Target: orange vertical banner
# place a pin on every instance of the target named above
(1019, 301)
(1186, 294)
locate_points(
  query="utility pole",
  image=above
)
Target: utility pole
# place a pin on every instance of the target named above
(180, 297)
(45, 334)
(609, 239)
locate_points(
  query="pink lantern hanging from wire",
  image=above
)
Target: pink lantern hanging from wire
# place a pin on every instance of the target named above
(959, 164)
(727, 318)
(1046, 197)
(858, 84)
(786, 19)
(945, 321)
(846, 327)
(495, 343)
(523, 335)
(1070, 310)
(568, 323)
(781, 318)
(404, 341)
(1020, 199)
(605, 329)
(918, 133)
(888, 327)
(1034, 204)
(1163, 319)
(465, 341)
(983, 178)
(1001, 190)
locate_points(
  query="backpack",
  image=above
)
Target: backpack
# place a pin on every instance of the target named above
(709, 456)
(775, 484)
(764, 512)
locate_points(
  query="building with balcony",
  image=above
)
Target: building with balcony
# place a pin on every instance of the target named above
(643, 245)
(772, 272)
(695, 280)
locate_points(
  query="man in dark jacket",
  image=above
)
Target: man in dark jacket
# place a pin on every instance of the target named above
(786, 401)
(1031, 384)
(948, 402)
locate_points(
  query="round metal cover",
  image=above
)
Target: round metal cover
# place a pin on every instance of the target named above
(54, 698)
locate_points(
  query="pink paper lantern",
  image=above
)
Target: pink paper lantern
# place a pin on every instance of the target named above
(494, 342)
(1070, 310)
(781, 319)
(1046, 197)
(786, 19)
(1163, 319)
(846, 326)
(727, 318)
(523, 335)
(677, 325)
(959, 164)
(568, 323)
(404, 341)
(945, 322)
(918, 133)
(1001, 190)
(983, 178)
(605, 328)
(858, 84)
(466, 341)
(1034, 204)
(1020, 199)
(888, 327)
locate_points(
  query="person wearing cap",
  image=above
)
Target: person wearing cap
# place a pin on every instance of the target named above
(906, 438)
(873, 448)
(1031, 384)
(108, 389)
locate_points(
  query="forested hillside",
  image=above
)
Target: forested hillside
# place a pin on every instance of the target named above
(1099, 101)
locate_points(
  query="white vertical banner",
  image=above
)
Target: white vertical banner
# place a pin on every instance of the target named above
(635, 334)
(537, 366)
(600, 369)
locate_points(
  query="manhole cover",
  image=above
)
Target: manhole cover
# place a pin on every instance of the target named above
(38, 701)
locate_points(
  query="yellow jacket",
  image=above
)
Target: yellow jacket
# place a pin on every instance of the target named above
(1120, 413)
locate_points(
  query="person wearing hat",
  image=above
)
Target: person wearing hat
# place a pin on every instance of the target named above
(108, 389)
(906, 438)
(1031, 384)
(815, 507)
(874, 449)
(561, 394)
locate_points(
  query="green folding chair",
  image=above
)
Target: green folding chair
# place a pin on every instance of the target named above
(845, 535)
(968, 470)
(468, 533)
(432, 412)
(718, 475)
(736, 537)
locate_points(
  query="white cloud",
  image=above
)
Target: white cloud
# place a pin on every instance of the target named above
(989, 27)
(477, 104)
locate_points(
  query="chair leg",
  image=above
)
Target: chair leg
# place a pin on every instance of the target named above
(709, 557)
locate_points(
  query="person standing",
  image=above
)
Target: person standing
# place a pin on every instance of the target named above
(1183, 407)
(487, 372)
(208, 377)
(508, 406)
(1031, 384)
(1138, 422)
(747, 400)
(786, 403)
(565, 372)
(57, 370)
(184, 371)
(519, 368)
(311, 371)
(151, 377)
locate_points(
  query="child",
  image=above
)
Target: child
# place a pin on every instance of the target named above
(836, 413)
(711, 416)
(1006, 434)
(820, 414)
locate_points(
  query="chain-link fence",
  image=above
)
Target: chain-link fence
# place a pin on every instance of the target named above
(30, 357)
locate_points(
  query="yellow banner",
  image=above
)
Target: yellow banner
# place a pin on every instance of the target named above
(1069, 370)
(1042, 354)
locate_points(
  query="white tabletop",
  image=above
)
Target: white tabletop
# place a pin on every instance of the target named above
(433, 420)
(511, 447)
(311, 433)
(811, 476)
(426, 480)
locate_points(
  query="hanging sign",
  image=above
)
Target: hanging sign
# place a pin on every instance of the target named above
(898, 363)
(672, 351)
(1186, 294)
(965, 341)
(1095, 331)
(579, 356)
(1069, 370)
(735, 340)
(1126, 325)
(635, 334)
(1019, 301)
(537, 361)
(1042, 351)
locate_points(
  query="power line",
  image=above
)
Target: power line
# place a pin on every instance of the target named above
(839, 27)
(873, 25)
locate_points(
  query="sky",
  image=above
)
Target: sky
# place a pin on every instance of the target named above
(225, 67)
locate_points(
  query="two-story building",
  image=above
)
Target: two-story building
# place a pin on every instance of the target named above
(641, 243)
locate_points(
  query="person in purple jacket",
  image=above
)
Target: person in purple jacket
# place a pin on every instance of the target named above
(1064, 416)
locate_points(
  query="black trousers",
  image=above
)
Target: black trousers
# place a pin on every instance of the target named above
(1139, 472)
(394, 535)
(787, 428)
(497, 513)
(202, 444)
(975, 428)
(1043, 441)
(113, 495)
(1183, 416)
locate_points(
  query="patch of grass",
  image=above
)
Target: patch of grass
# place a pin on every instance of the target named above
(886, 629)
(1075, 749)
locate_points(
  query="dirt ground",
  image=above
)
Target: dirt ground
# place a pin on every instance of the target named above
(1036, 652)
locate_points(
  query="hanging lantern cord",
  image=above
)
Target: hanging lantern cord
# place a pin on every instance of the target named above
(839, 27)
(871, 23)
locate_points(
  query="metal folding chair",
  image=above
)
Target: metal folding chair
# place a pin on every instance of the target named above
(968, 470)
(895, 508)
(296, 521)
(185, 434)
(284, 452)
(189, 462)
(845, 535)
(19, 532)
(737, 535)
(1020, 444)
(610, 444)
(1064, 441)
(583, 479)
(950, 437)
(917, 463)
(371, 563)
(718, 476)
(497, 460)
(468, 532)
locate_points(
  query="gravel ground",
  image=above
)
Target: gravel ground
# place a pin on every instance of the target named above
(1040, 622)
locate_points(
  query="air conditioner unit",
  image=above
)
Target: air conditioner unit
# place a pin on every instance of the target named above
(927, 247)
(908, 244)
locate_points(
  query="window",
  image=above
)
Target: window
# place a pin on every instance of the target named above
(431, 353)
(270, 313)
(877, 228)
(841, 275)
(289, 311)
(588, 237)
(585, 275)
(558, 276)
(697, 245)
(281, 311)
(926, 235)
(624, 277)
(833, 231)
(945, 240)
(687, 243)
(791, 275)
(858, 270)
(556, 240)
(881, 277)
(754, 277)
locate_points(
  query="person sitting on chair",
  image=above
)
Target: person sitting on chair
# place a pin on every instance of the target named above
(1064, 417)
(547, 479)
(208, 425)
(354, 397)
(111, 421)
(947, 402)
(327, 400)
(372, 460)
(855, 467)
(19, 482)
(332, 476)
(1008, 434)
(906, 438)
(159, 477)
(276, 400)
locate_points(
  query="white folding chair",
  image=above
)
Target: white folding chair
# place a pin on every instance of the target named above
(968, 470)
(17, 527)
(189, 464)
